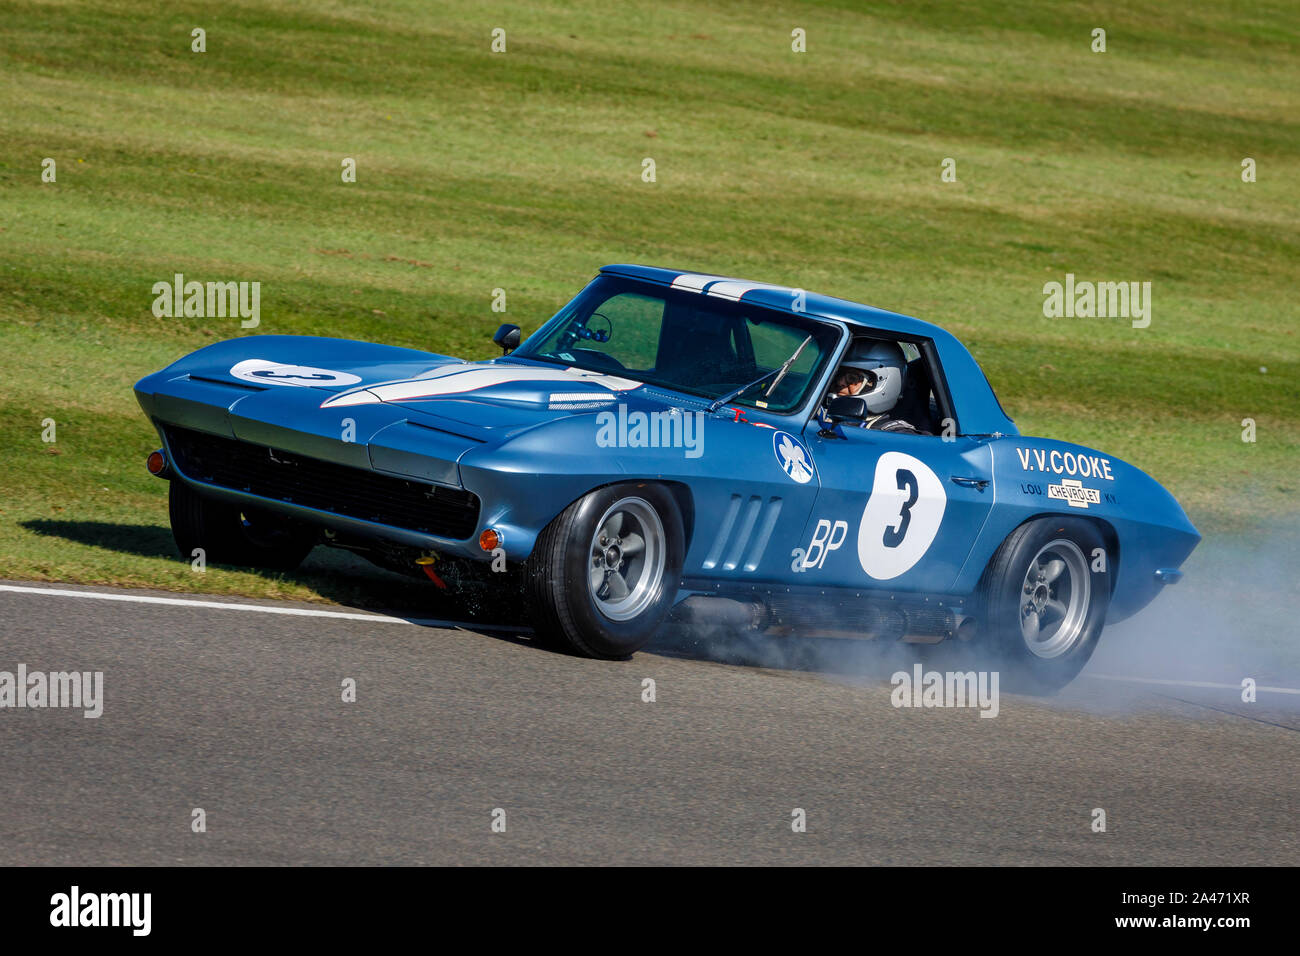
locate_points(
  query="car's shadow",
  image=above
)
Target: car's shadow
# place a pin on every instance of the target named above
(351, 581)
(335, 575)
(145, 540)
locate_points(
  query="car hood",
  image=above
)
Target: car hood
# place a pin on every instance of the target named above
(486, 399)
(500, 390)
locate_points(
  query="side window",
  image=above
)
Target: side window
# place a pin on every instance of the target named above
(917, 404)
(630, 325)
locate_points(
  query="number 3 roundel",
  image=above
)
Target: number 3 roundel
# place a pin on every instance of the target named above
(902, 516)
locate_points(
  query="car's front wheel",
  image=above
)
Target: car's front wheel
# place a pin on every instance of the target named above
(604, 573)
(1046, 594)
(228, 534)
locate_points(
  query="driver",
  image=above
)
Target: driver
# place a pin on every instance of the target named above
(875, 372)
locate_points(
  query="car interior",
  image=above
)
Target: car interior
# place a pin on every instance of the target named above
(918, 405)
(712, 347)
(705, 346)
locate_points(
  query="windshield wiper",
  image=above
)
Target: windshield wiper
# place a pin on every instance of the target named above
(778, 372)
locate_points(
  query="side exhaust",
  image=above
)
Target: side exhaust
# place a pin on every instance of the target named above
(919, 623)
(707, 612)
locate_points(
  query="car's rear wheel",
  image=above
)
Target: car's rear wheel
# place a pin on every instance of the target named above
(1046, 593)
(604, 573)
(228, 534)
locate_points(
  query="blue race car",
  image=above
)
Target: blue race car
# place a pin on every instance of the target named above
(759, 455)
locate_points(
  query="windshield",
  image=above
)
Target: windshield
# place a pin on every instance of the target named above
(685, 341)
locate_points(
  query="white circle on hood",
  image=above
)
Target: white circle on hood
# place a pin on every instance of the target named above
(263, 372)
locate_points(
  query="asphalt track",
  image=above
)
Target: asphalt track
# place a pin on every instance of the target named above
(240, 712)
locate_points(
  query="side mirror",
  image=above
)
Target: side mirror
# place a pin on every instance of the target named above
(507, 337)
(844, 407)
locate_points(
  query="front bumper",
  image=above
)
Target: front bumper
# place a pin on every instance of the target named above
(348, 498)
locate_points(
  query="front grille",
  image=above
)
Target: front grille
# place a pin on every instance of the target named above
(325, 486)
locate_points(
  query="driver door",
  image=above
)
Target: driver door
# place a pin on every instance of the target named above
(894, 511)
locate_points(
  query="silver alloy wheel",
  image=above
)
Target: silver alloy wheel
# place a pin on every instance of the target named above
(1054, 599)
(628, 552)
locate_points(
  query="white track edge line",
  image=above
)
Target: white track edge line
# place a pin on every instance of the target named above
(1189, 683)
(219, 605)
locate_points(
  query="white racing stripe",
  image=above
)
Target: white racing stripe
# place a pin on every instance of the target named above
(457, 379)
(721, 287)
(1189, 683)
(693, 282)
(262, 608)
(734, 290)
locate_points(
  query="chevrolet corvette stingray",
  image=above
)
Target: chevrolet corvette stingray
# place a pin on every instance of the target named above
(671, 438)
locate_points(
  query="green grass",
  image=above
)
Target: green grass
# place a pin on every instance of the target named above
(523, 171)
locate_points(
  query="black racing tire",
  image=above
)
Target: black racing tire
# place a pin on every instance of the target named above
(1045, 596)
(574, 601)
(231, 535)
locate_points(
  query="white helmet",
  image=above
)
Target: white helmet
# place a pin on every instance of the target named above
(885, 367)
